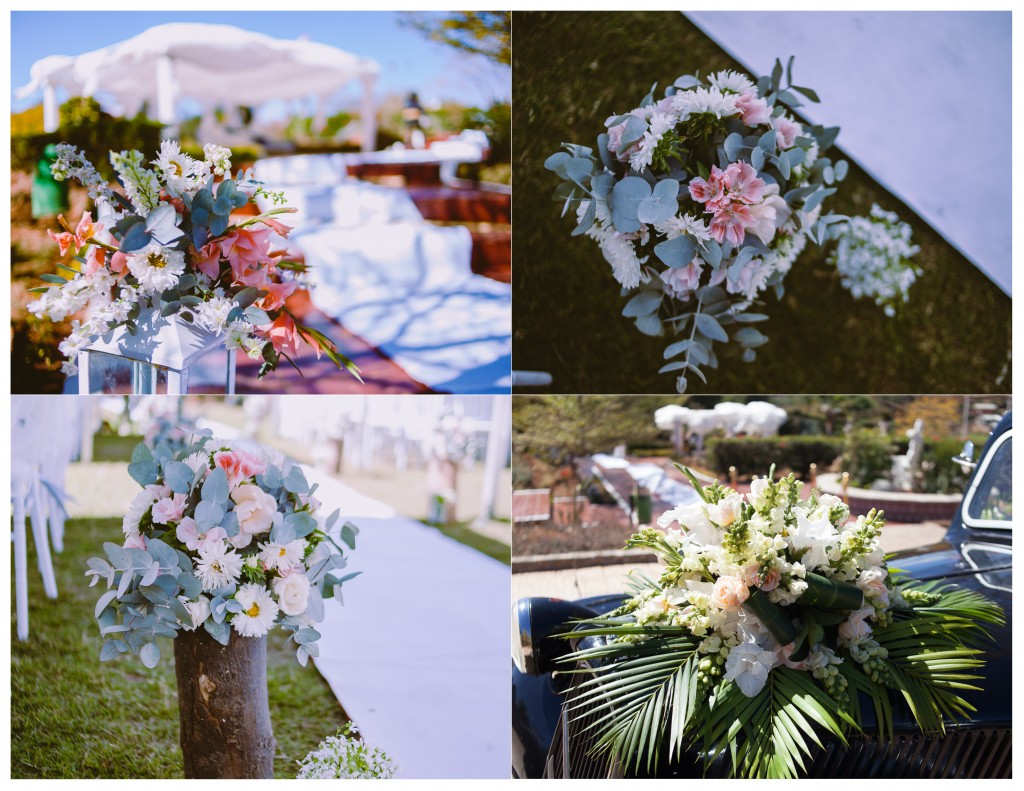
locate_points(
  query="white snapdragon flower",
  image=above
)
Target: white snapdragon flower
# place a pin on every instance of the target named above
(218, 159)
(213, 313)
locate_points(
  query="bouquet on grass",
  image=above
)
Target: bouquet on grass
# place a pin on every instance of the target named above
(220, 538)
(700, 202)
(772, 616)
(169, 245)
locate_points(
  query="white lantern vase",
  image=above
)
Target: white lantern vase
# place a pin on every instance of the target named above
(164, 348)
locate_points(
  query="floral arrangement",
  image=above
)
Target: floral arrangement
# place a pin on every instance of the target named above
(702, 201)
(873, 255)
(220, 538)
(169, 244)
(346, 756)
(771, 615)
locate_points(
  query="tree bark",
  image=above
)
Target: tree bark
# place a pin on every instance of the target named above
(223, 706)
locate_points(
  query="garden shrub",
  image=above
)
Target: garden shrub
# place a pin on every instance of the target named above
(867, 456)
(754, 455)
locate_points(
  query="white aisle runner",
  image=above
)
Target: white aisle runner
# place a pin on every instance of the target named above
(418, 654)
(923, 99)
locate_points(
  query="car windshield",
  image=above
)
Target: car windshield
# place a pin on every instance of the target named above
(993, 499)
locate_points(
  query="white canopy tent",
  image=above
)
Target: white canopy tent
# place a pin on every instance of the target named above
(210, 64)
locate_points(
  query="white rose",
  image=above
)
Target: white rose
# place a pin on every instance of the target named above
(255, 510)
(198, 609)
(856, 627)
(292, 593)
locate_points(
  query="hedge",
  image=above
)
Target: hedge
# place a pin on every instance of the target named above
(754, 455)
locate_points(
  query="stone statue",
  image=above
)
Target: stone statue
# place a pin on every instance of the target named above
(915, 447)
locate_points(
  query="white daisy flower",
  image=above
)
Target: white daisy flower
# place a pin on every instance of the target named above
(218, 566)
(259, 611)
(704, 100)
(729, 81)
(683, 224)
(197, 461)
(156, 268)
(181, 172)
(283, 557)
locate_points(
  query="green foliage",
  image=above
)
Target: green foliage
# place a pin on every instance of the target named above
(867, 456)
(486, 33)
(650, 688)
(941, 475)
(753, 455)
(83, 124)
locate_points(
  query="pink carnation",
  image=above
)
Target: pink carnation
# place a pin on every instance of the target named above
(169, 509)
(754, 111)
(238, 465)
(786, 131)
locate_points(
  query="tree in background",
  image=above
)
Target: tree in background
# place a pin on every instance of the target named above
(486, 33)
(564, 429)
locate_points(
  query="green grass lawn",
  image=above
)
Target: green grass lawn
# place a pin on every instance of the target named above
(465, 534)
(570, 72)
(75, 717)
(111, 447)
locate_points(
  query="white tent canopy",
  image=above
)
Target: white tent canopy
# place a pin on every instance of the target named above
(207, 63)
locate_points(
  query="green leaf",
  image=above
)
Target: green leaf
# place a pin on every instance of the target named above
(643, 303)
(710, 328)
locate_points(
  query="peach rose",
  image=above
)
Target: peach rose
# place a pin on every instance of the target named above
(729, 593)
(255, 510)
(238, 465)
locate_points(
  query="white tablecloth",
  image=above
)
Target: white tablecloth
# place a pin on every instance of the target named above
(407, 288)
(923, 99)
(418, 654)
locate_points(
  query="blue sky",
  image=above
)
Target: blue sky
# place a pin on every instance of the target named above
(408, 60)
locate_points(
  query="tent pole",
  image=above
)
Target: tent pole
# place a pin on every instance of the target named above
(369, 119)
(166, 91)
(51, 110)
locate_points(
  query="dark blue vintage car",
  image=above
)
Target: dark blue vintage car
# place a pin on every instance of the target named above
(975, 553)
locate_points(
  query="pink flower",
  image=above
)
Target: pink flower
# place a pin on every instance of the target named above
(188, 533)
(279, 292)
(135, 541)
(284, 335)
(94, 261)
(157, 491)
(856, 627)
(248, 252)
(169, 509)
(742, 183)
(731, 223)
(277, 225)
(684, 280)
(207, 260)
(119, 264)
(255, 510)
(86, 229)
(729, 593)
(767, 581)
(63, 240)
(711, 191)
(784, 651)
(786, 131)
(239, 465)
(754, 111)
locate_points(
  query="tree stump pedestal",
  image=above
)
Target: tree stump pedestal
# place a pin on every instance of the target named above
(223, 706)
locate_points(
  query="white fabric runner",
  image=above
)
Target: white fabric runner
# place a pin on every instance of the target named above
(651, 476)
(407, 288)
(418, 654)
(923, 99)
